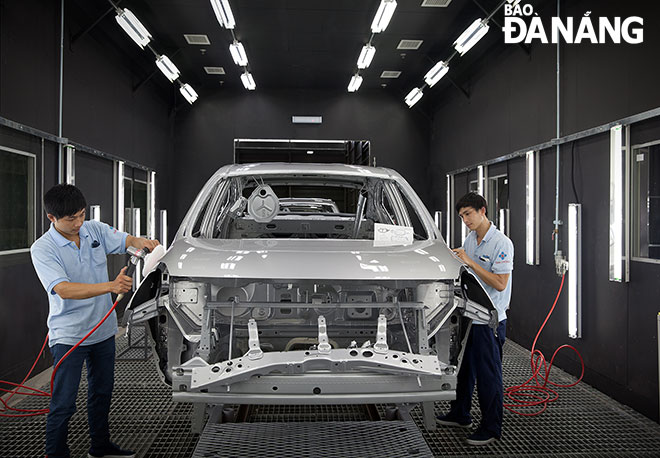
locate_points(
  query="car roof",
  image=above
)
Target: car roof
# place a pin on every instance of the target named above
(284, 168)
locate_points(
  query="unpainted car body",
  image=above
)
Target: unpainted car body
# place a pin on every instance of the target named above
(255, 305)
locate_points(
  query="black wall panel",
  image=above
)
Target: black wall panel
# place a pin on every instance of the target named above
(205, 133)
(101, 110)
(512, 106)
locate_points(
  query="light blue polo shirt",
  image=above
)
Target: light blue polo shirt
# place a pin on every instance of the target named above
(57, 260)
(494, 254)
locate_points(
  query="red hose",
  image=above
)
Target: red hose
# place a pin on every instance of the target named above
(34, 391)
(538, 394)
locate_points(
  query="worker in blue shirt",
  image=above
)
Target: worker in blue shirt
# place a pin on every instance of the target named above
(70, 261)
(489, 253)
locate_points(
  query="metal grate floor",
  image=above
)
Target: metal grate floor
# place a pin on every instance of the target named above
(582, 423)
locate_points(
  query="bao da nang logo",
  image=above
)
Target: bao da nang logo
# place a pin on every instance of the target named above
(522, 24)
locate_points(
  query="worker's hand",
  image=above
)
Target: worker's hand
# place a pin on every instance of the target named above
(460, 252)
(122, 284)
(142, 243)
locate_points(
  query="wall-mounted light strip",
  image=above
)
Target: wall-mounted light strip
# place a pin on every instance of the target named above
(95, 212)
(119, 195)
(151, 198)
(163, 228)
(481, 181)
(575, 271)
(618, 270)
(531, 208)
(70, 164)
(449, 209)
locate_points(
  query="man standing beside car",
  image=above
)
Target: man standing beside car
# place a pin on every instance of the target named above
(71, 262)
(489, 253)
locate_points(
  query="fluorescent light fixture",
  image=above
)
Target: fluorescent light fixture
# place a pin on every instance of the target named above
(383, 15)
(223, 13)
(310, 152)
(618, 267)
(356, 82)
(481, 174)
(238, 53)
(413, 97)
(70, 164)
(151, 211)
(95, 212)
(248, 81)
(366, 56)
(188, 93)
(167, 67)
(450, 200)
(133, 27)
(120, 196)
(436, 73)
(471, 36)
(464, 232)
(531, 208)
(437, 218)
(163, 228)
(575, 271)
(503, 226)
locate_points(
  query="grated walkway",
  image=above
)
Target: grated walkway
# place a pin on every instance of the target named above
(582, 423)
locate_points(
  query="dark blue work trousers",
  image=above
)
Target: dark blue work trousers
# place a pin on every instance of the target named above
(100, 360)
(482, 362)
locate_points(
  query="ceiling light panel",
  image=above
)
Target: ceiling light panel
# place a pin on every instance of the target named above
(167, 67)
(436, 73)
(223, 13)
(383, 15)
(248, 81)
(412, 45)
(471, 36)
(188, 93)
(133, 27)
(356, 82)
(238, 53)
(366, 56)
(413, 97)
(197, 39)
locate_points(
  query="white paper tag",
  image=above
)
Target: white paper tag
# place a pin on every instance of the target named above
(390, 235)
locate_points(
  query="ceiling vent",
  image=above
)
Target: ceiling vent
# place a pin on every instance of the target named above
(410, 44)
(197, 39)
(390, 74)
(436, 3)
(214, 70)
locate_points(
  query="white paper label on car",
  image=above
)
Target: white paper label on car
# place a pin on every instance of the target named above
(390, 235)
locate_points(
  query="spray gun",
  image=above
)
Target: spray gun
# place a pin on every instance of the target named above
(136, 256)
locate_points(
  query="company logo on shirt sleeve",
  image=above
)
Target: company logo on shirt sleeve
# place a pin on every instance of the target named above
(502, 255)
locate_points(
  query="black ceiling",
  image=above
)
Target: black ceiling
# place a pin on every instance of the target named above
(304, 44)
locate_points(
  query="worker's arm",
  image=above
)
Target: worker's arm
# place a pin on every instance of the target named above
(497, 281)
(70, 290)
(140, 243)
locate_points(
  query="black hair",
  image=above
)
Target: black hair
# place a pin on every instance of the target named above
(473, 200)
(64, 200)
